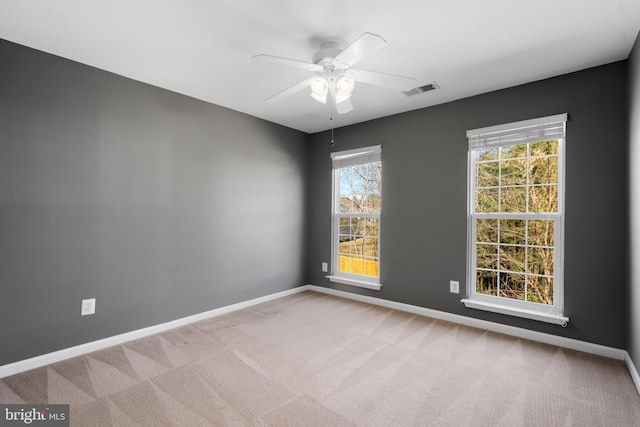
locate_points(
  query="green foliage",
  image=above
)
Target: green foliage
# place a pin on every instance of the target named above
(519, 178)
(514, 257)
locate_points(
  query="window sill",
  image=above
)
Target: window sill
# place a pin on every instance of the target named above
(554, 318)
(353, 282)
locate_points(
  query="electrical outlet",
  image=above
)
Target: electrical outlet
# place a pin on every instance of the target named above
(325, 267)
(454, 287)
(88, 306)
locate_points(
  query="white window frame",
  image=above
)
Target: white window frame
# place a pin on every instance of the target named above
(527, 131)
(342, 159)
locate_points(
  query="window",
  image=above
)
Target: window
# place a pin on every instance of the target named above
(516, 195)
(357, 197)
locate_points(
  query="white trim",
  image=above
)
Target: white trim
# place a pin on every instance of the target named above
(79, 350)
(518, 125)
(541, 316)
(353, 282)
(632, 370)
(586, 347)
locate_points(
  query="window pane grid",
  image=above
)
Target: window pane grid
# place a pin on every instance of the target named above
(515, 213)
(492, 286)
(357, 215)
(491, 187)
(512, 282)
(480, 242)
(518, 178)
(480, 161)
(493, 270)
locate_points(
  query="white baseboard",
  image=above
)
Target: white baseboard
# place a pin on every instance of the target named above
(57, 356)
(632, 371)
(79, 350)
(586, 347)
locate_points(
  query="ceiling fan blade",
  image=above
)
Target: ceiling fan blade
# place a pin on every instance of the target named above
(288, 62)
(386, 80)
(290, 91)
(344, 107)
(364, 46)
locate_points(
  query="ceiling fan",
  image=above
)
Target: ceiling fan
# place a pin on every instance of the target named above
(334, 76)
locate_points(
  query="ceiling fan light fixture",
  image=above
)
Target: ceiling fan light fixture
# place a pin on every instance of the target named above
(344, 87)
(319, 89)
(342, 98)
(319, 98)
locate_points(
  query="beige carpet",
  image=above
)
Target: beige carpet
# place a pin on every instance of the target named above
(312, 359)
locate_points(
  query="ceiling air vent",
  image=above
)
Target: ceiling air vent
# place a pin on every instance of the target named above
(421, 89)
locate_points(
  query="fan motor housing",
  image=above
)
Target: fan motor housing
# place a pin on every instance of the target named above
(327, 54)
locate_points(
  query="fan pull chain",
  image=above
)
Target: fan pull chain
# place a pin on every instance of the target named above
(331, 119)
(332, 107)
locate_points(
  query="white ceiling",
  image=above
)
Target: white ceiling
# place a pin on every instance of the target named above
(203, 48)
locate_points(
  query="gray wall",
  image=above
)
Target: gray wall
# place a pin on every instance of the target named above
(162, 206)
(634, 203)
(158, 205)
(423, 231)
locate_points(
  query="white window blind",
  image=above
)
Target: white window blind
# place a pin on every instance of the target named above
(359, 156)
(541, 129)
